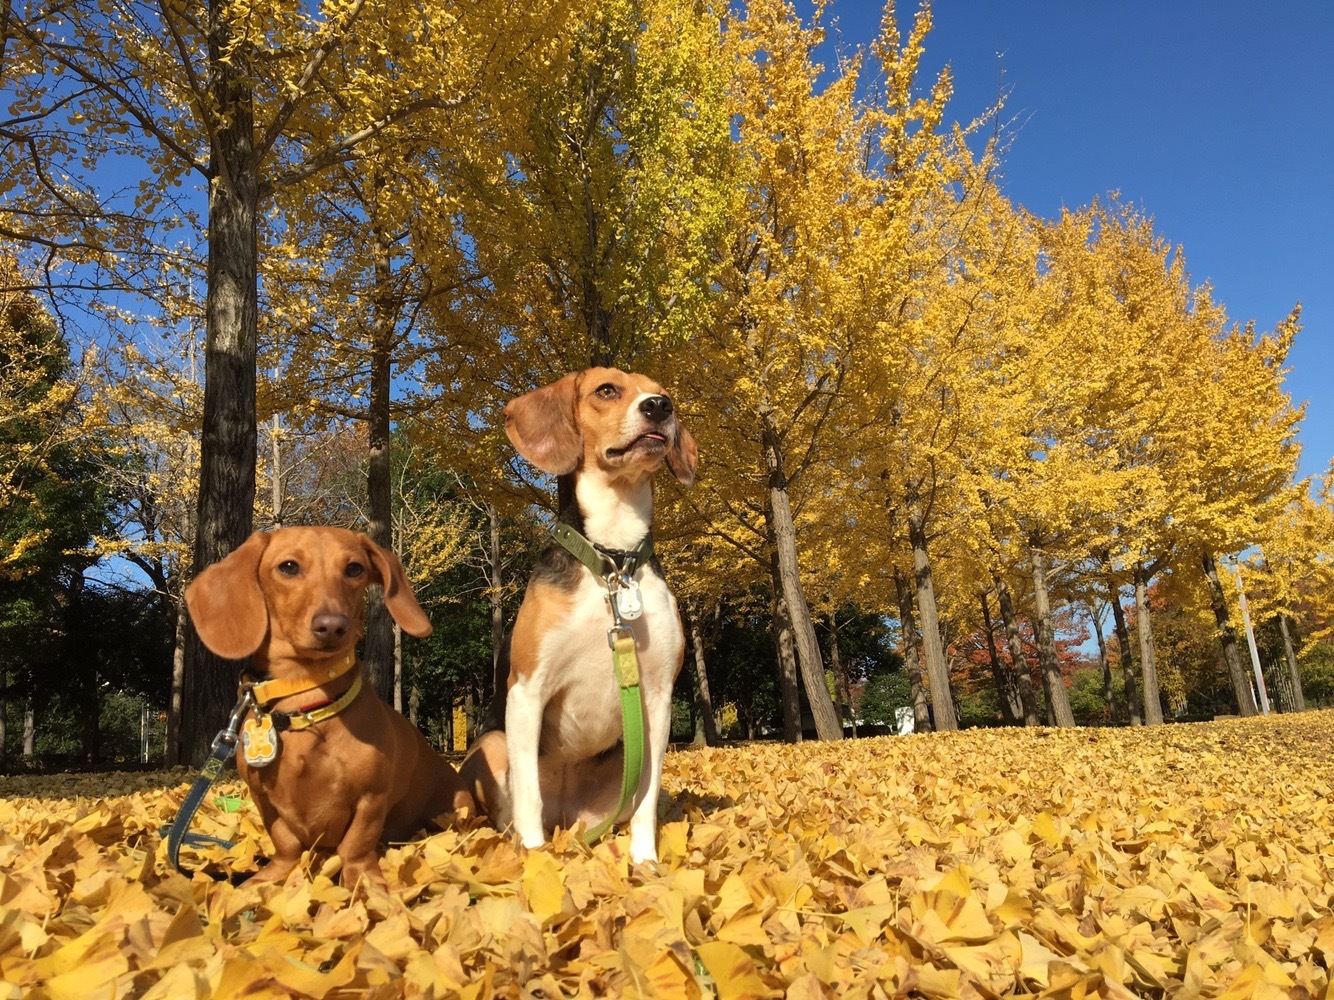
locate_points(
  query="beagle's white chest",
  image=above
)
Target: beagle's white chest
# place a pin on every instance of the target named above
(582, 717)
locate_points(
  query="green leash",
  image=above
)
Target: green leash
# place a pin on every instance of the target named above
(624, 658)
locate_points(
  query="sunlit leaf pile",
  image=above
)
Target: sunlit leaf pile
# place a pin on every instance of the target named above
(1178, 861)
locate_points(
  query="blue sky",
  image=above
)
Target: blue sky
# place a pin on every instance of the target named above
(1215, 118)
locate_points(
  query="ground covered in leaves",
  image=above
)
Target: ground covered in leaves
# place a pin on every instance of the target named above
(1179, 861)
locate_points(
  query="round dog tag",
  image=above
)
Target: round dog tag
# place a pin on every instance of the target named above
(628, 601)
(259, 741)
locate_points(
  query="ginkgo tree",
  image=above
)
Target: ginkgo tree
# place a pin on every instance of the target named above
(234, 101)
(581, 228)
(829, 181)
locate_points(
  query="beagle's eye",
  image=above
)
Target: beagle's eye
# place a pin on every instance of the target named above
(289, 567)
(607, 391)
(354, 570)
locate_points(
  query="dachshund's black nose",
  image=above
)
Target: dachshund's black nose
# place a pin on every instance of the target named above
(328, 627)
(656, 408)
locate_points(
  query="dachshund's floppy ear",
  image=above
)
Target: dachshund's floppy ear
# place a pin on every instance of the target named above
(227, 605)
(541, 426)
(683, 456)
(398, 595)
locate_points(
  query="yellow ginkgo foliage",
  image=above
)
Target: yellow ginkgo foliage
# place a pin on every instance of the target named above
(1165, 861)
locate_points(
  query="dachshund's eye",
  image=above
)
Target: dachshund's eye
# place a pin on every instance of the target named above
(607, 391)
(289, 567)
(354, 570)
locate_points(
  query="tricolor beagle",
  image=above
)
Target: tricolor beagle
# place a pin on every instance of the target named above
(559, 759)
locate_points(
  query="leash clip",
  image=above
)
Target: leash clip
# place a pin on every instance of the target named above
(619, 631)
(228, 737)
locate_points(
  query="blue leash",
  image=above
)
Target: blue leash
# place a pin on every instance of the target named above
(222, 750)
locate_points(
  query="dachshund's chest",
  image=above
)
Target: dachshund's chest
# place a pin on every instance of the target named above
(312, 783)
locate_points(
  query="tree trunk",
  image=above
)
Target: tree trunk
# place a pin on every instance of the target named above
(1007, 694)
(496, 593)
(1019, 662)
(1148, 665)
(1241, 684)
(706, 724)
(1290, 658)
(4, 706)
(276, 490)
(788, 691)
(1123, 646)
(1257, 670)
(933, 649)
(172, 750)
(377, 647)
(911, 663)
(1108, 693)
(29, 732)
(783, 531)
(398, 668)
(228, 433)
(841, 681)
(1054, 682)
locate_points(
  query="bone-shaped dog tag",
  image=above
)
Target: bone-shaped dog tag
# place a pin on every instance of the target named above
(259, 741)
(628, 601)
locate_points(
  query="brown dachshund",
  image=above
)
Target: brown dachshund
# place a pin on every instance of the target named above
(331, 766)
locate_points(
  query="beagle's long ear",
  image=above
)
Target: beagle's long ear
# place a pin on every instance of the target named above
(226, 602)
(542, 428)
(683, 456)
(398, 595)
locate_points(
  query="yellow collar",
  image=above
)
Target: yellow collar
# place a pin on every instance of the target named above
(267, 692)
(304, 720)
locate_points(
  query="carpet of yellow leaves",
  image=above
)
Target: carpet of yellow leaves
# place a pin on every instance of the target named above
(1179, 861)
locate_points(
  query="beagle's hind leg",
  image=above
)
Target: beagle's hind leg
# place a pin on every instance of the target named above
(485, 774)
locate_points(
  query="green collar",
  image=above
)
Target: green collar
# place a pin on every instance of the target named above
(604, 563)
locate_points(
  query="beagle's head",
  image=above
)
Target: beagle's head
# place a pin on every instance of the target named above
(623, 425)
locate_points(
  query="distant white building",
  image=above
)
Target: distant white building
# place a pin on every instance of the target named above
(903, 721)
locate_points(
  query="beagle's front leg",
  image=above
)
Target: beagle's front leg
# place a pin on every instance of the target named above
(523, 732)
(644, 820)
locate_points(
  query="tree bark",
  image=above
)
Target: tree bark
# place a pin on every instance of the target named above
(1227, 636)
(841, 681)
(1123, 646)
(933, 649)
(1290, 658)
(911, 662)
(1148, 665)
(706, 723)
(496, 592)
(172, 750)
(1019, 662)
(4, 707)
(228, 433)
(788, 691)
(398, 668)
(377, 648)
(1058, 698)
(29, 732)
(1108, 693)
(1007, 693)
(783, 531)
(276, 472)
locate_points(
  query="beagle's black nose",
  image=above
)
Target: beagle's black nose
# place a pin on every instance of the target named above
(656, 408)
